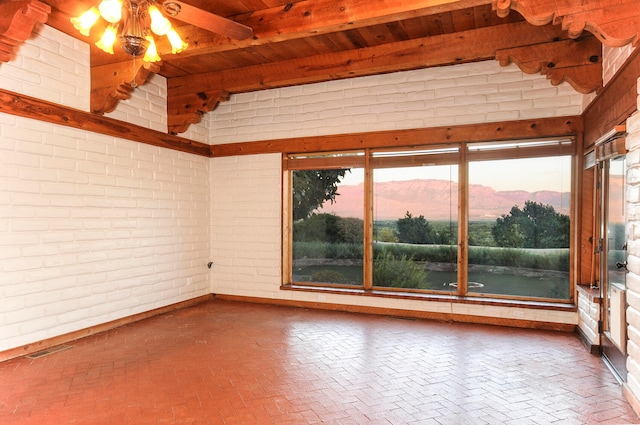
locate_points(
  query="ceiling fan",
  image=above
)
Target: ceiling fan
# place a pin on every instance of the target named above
(134, 21)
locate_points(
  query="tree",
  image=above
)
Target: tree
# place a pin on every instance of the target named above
(312, 188)
(416, 230)
(534, 226)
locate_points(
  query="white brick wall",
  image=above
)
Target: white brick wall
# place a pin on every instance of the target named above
(147, 106)
(50, 66)
(94, 228)
(612, 60)
(633, 277)
(453, 95)
(246, 223)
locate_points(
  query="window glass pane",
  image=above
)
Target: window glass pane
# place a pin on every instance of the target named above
(415, 227)
(328, 226)
(519, 227)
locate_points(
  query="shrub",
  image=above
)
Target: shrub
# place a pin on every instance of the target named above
(402, 272)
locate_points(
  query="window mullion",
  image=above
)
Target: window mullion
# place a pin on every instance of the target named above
(368, 223)
(463, 222)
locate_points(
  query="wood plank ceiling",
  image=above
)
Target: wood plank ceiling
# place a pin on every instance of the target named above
(320, 40)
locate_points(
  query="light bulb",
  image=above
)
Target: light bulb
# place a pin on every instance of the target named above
(159, 24)
(108, 39)
(84, 22)
(177, 45)
(151, 55)
(111, 10)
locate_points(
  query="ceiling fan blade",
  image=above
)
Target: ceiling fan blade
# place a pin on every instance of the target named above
(206, 20)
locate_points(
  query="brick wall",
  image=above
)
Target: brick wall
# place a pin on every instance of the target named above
(246, 190)
(92, 228)
(633, 277)
(50, 66)
(454, 95)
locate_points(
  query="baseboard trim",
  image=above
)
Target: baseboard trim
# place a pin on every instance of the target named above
(72, 336)
(593, 348)
(414, 314)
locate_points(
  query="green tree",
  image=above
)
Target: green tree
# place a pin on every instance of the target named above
(312, 188)
(534, 226)
(416, 230)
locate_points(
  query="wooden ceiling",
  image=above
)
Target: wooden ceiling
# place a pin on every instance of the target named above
(320, 40)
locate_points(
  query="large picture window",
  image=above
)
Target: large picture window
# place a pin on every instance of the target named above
(473, 220)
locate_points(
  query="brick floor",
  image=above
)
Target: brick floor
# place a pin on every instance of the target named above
(224, 362)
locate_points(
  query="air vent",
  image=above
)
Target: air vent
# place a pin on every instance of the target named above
(48, 351)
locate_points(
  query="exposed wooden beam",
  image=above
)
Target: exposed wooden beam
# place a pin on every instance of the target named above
(615, 103)
(314, 17)
(115, 82)
(578, 62)
(17, 20)
(526, 129)
(614, 22)
(28, 107)
(188, 108)
(448, 49)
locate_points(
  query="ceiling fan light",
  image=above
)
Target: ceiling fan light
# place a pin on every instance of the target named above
(159, 24)
(84, 22)
(151, 55)
(111, 10)
(108, 39)
(177, 45)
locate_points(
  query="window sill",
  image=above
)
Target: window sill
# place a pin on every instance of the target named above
(455, 299)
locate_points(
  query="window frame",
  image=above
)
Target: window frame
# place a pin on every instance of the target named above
(460, 153)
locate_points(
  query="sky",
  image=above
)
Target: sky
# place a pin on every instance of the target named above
(530, 174)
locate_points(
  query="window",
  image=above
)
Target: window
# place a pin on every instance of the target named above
(473, 220)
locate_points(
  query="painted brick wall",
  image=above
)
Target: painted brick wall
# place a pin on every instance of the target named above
(147, 108)
(245, 210)
(246, 190)
(50, 66)
(462, 94)
(92, 228)
(633, 277)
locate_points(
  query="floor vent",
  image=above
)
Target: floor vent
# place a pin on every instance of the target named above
(47, 351)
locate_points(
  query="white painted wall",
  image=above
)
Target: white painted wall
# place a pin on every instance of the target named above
(92, 228)
(453, 95)
(633, 277)
(246, 205)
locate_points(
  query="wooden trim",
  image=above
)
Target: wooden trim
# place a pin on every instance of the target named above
(17, 20)
(592, 348)
(395, 312)
(29, 107)
(92, 330)
(510, 130)
(615, 103)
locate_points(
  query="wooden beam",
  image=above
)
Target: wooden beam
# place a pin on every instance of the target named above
(17, 20)
(614, 22)
(115, 82)
(28, 107)
(615, 103)
(578, 62)
(448, 49)
(306, 18)
(188, 108)
(526, 129)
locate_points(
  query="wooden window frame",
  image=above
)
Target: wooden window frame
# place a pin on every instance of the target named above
(460, 153)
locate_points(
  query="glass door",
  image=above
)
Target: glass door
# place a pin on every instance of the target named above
(614, 264)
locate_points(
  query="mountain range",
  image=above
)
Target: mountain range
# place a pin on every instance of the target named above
(433, 200)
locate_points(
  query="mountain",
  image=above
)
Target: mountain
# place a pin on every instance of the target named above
(432, 198)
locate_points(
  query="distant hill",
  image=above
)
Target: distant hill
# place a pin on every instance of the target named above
(431, 198)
